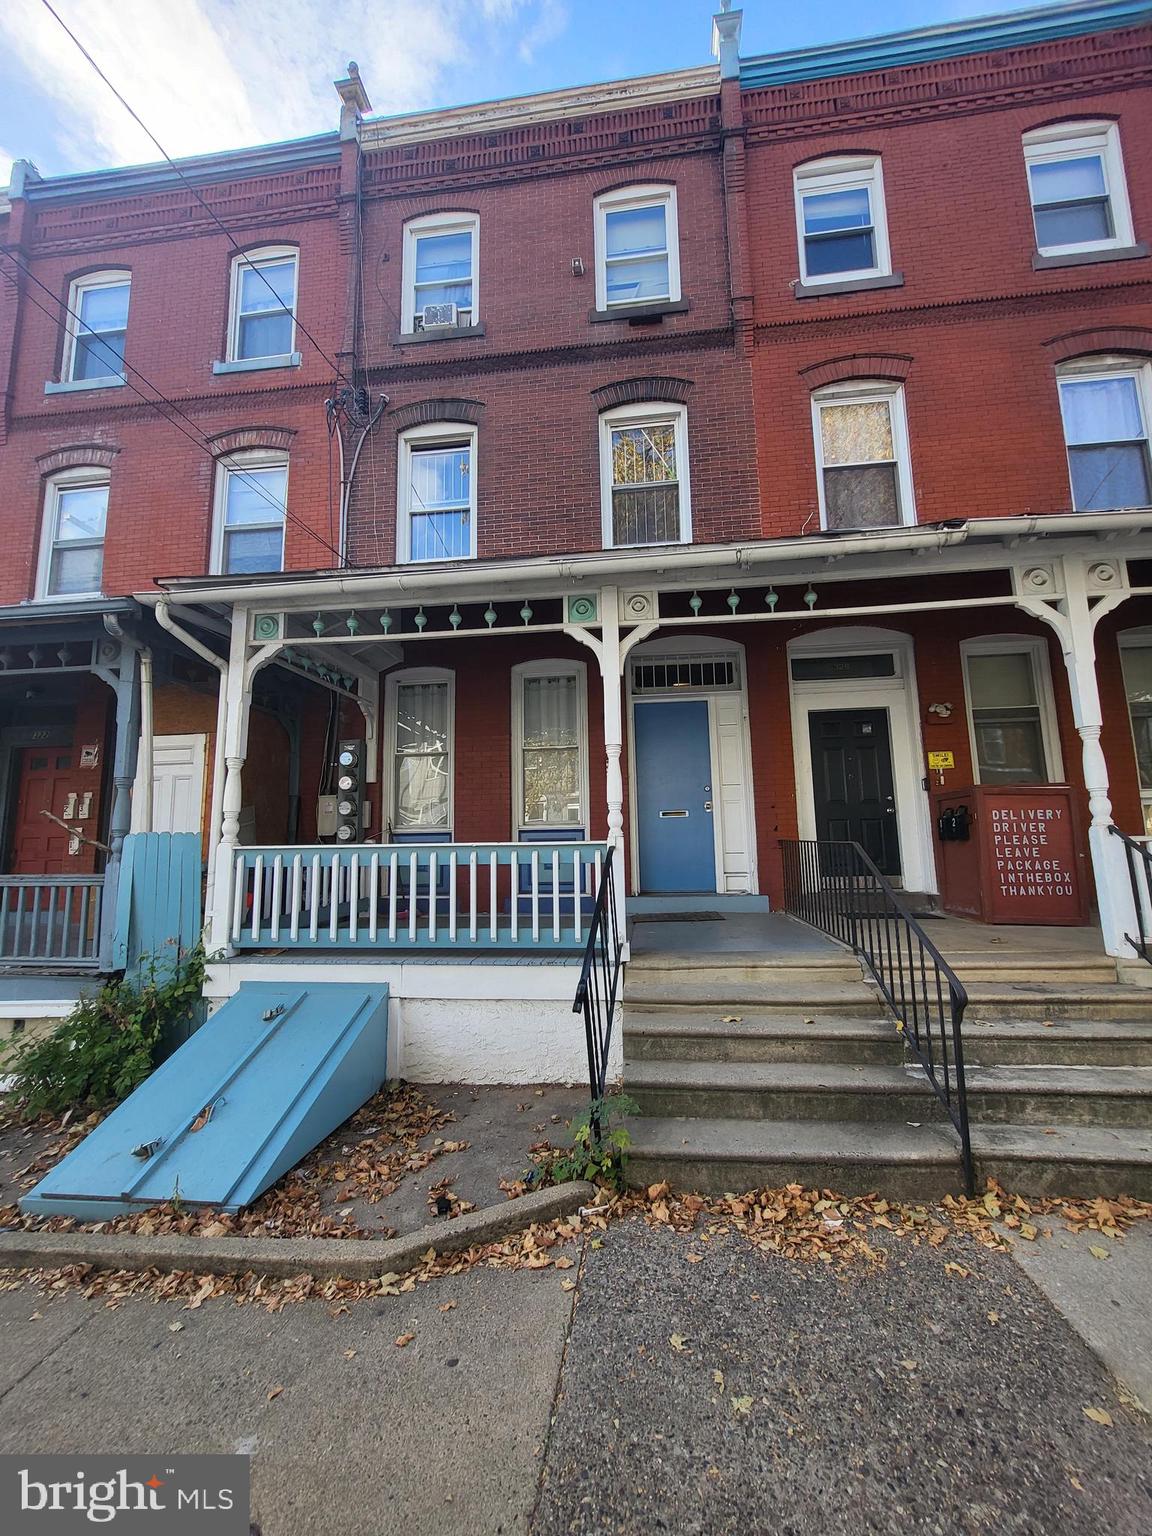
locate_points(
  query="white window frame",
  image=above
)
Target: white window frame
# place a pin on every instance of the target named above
(265, 255)
(647, 413)
(1071, 141)
(619, 201)
(437, 224)
(521, 672)
(435, 434)
(1036, 648)
(239, 463)
(844, 173)
(1090, 370)
(1135, 640)
(868, 392)
(81, 477)
(113, 277)
(392, 684)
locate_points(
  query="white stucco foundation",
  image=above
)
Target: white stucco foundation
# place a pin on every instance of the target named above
(451, 1023)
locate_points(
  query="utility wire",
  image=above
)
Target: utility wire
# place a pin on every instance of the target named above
(211, 212)
(199, 440)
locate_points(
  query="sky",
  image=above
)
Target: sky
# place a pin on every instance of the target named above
(221, 74)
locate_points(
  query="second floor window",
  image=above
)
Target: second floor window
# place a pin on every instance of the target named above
(438, 493)
(263, 317)
(862, 455)
(841, 221)
(251, 495)
(97, 327)
(637, 247)
(1106, 432)
(441, 259)
(72, 550)
(1077, 184)
(644, 476)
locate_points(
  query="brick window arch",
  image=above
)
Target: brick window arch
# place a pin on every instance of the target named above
(1118, 340)
(637, 391)
(78, 456)
(273, 439)
(420, 412)
(872, 365)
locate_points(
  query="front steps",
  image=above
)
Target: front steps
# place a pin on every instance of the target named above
(753, 1073)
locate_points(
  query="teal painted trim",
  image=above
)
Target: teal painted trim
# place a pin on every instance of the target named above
(983, 34)
(157, 898)
(636, 905)
(461, 947)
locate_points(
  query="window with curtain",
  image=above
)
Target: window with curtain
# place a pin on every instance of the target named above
(1007, 718)
(77, 515)
(1137, 664)
(99, 321)
(1106, 432)
(422, 757)
(859, 442)
(252, 498)
(551, 776)
(263, 305)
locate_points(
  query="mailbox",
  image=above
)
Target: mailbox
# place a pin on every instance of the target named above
(1022, 859)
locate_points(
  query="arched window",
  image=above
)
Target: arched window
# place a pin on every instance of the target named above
(644, 482)
(249, 515)
(1106, 406)
(262, 308)
(72, 541)
(863, 465)
(637, 247)
(436, 486)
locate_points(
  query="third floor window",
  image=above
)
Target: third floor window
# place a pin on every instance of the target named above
(637, 247)
(441, 263)
(97, 327)
(263, 313)
(841, 220)
(1079, 196)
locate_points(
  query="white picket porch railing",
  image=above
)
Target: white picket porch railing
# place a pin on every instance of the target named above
(442, 896)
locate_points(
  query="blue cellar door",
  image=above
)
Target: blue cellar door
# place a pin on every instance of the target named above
(674, 795)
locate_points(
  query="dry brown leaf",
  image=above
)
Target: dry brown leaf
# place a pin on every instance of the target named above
(1099, 1416)
(679, 1343)
(403, 1340)
(274, 1392)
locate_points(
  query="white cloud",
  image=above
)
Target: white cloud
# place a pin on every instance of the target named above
(216, 74)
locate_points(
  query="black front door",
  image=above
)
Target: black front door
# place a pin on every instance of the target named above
(852, 782)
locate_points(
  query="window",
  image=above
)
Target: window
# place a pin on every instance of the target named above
(1136, 660)
(1010, 711)
(422, 729)
(644, 475)
(637, 247)
(251, 495)
(437, 493)
(97, 327)
(1078, 189)
(865, 476)
(441, 263)
(551, 773)
(263, 311)
(840, 219)
(72, 550)
(1106, 432)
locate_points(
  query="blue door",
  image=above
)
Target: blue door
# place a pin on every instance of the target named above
(674, 796)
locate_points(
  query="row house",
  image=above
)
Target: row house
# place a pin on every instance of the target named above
(667, 472)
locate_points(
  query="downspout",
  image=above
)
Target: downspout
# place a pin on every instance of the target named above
(216, 804)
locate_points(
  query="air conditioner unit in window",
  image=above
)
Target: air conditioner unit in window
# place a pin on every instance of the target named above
(435, 317)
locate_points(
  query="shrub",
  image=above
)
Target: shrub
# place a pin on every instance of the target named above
(600, 1159)
(109, 1043)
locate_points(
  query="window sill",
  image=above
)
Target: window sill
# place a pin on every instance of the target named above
(1087, 258)
(640, 312)
(447, 333)
(76, 386)
(252, 364)
(804, 290)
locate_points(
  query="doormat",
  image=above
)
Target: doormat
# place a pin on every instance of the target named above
(678, 917)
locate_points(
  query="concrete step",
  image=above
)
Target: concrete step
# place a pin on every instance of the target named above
(995, 1001)
(1060, 1043)
(748, 1090)
(822, 1090)
(801, 997)
(721, 971)
(670, 1034)
(917, 1163)
(1011, 966)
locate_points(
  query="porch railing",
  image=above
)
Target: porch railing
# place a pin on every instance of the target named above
(599, 986)
(427, 896)
(1139, 861)
(835, 887)
(51, 920)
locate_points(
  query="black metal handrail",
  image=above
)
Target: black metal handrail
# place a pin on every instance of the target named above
(599, 986)
(1139, 861)
(835, 887)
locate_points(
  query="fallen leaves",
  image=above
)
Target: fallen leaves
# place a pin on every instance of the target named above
(1099, 1416)
(679, 1343)
(742, 1406)
(403, 1340)
(274, 1392)
(1097, 1252)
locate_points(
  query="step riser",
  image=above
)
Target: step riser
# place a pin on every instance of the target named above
(989, 975)
(784, 1104)
(796, 1005)
(1071, 1108)
(1119, 1009)
(875, 1053)
(1044, 1053)
(904, 1181)
(717, 979)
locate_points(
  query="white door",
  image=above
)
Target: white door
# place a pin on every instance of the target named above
(177, 784)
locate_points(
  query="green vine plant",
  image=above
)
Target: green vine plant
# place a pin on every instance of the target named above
(598, 1158)
(110, 1041)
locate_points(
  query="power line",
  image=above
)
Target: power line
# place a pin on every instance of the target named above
(211, 212)
(199, 441)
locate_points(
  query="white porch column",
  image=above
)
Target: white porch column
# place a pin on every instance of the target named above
(611, 662)
(236, 688)
(1074, 618)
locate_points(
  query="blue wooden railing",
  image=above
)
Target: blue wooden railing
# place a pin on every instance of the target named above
(439, 896)
(51, 921)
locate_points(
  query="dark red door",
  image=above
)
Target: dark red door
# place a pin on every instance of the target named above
(45, 780)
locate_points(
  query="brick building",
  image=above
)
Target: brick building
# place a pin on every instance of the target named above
(745, 453)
